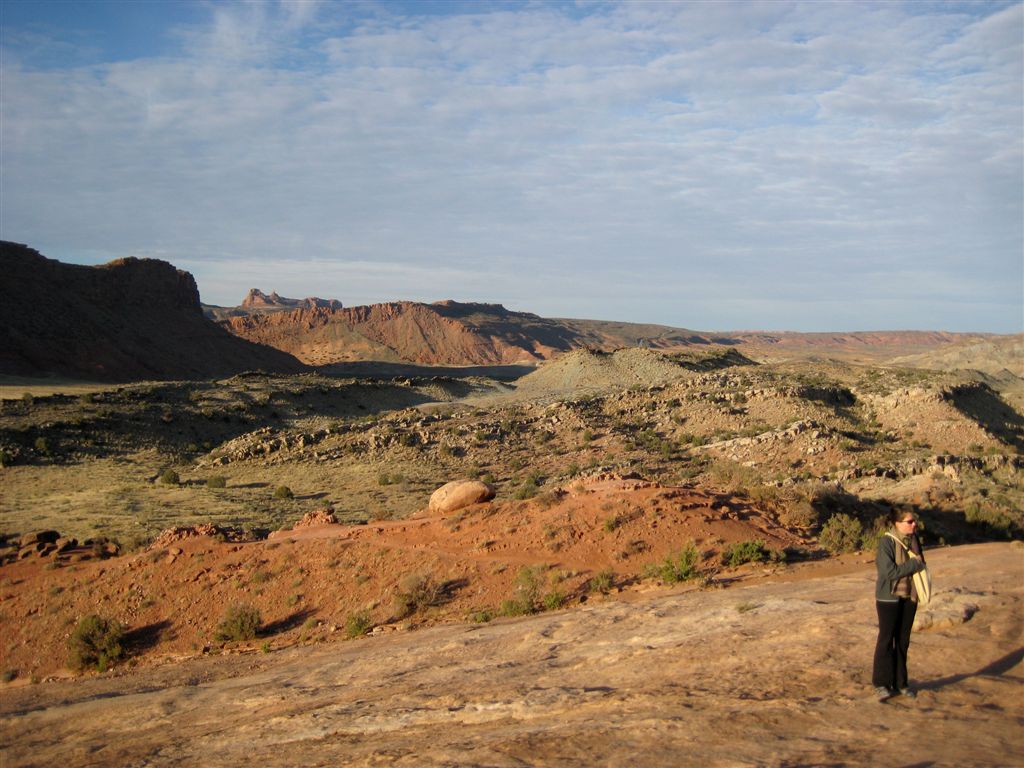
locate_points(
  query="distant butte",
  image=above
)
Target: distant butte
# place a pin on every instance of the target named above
(257, 299)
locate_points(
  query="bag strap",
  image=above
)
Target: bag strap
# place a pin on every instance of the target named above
(906, 549)
(897, 540)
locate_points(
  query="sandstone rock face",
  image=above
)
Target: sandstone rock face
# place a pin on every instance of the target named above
(458, 494)
(129, 319)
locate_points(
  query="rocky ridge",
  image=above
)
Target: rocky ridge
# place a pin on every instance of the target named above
(129, 319)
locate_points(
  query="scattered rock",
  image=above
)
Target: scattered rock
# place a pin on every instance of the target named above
(323, 516)
(458, 494)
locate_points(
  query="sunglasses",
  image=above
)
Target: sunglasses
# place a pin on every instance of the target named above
(909, 522)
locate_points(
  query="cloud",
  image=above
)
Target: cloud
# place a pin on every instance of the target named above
(614, 160)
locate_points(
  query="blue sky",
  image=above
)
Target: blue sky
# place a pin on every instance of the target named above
(716, 166)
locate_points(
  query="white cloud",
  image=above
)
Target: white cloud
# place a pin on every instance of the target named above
(602, 163)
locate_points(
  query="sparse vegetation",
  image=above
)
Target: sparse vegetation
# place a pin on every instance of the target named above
(170, 477)
(679, 567)
(745, 552)
(841, 533)
(602, 581)
(415, 593)
(358, 624)
(241, 622)
(96, 642)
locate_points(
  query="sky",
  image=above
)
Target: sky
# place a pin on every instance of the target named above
(817, 166)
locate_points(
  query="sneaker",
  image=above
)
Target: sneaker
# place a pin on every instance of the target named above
(908, 693)
(882, 693)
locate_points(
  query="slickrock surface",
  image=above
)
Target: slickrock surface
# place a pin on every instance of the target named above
(775, 673)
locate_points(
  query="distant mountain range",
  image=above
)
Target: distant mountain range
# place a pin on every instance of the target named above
(141, 318)
(453, 333)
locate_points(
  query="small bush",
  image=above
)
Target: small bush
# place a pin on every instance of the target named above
(283, 492)
(745, 552)
(96, 641)
(990, 518)
(415, 592)
(241, 622)
(527, 490)
(679, 567)
(841, 533)
(6, 459)
(602, 582)
(216, 481)
(169, 477)
(358, 624)
(514, 608)
(42, 446)
(553, 600)
(528, 587)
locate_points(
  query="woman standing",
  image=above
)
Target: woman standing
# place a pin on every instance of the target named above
(896, 602)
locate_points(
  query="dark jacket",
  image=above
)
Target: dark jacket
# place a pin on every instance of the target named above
(888, 572)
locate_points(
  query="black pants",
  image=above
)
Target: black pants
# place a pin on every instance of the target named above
(895, 620)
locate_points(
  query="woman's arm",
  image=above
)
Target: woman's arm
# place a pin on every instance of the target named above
(885, 562)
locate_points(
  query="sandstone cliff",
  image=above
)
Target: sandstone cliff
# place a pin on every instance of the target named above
(128, 319)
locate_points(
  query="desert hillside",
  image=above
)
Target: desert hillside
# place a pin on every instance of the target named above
(997, 356)
(130, 319)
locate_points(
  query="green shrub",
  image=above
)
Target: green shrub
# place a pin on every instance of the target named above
(990, 518)
(169, 477)
(528, 587)
(527, 490)
(358, 624)
(514, 608)
(216, 481)
(841, 533)
(283, 492)
(745, 552)
(241, 622)
(553, 600)
(42, 446)
(415, 592)
(6, 459)
(96, 641)
(602, 582)
(679, 567)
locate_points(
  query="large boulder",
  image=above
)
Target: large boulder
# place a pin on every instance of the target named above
(458, 494)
